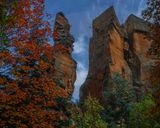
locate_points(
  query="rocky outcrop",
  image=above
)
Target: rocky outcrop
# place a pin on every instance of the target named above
(106, 55)
(62, 32)
(139, 62)
(117, 49)
(65, 66)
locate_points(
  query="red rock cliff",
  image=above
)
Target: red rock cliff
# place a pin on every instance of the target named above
(116, 49)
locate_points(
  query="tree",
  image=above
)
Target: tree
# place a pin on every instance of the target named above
(29, 98)
(5, 18)
(152, 15)
(90, 117)
(28, 92)
(140, 116)
(119, 102)
(22, 20)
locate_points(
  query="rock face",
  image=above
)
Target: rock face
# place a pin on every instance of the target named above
(65, 66)
(62, 32)
(117, 49)
(139, 62)
(106, 55)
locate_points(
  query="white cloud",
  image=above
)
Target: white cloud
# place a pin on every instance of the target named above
(79, 46)
(81, 76)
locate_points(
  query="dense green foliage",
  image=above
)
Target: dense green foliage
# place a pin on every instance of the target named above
(122, 110)
(120, 100)
(140, 115)
(90, 117)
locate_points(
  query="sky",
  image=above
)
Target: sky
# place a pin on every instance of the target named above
(80, 14)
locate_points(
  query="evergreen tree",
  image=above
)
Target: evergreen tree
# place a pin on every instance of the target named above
(119, 101)
(140, 117)
(90, 117)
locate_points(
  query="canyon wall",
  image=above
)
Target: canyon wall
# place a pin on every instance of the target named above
(116, 48)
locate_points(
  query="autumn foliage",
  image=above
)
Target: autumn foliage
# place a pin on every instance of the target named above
(28, 92)
(152, 15)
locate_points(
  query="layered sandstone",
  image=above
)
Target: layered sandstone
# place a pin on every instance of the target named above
(65, 65)
(117, 49)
